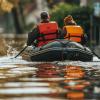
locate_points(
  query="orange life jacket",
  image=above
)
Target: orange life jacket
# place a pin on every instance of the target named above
(74, 33)
(48, 32)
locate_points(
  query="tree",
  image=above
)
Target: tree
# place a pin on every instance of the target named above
(14, 7)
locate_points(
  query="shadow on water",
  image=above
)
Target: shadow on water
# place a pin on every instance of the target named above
(25, 80)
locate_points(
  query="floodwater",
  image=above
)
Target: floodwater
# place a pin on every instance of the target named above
(21, 79)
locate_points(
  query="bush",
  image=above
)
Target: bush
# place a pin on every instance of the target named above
(80, 14)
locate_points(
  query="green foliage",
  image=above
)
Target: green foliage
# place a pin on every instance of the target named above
(80, 14)
(29, 27)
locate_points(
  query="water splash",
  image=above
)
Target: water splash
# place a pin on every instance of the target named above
(12, 60)
(11, 51)
(96, 58)
(9, 58)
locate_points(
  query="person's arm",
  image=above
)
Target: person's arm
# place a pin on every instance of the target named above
(61, 34)
(32, 36)
(84, 39)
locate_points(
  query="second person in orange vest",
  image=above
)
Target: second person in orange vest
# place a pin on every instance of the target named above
(44, 32)
(73, 31)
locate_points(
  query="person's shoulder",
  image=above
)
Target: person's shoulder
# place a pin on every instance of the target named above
(52, 21)
(34, 29)
(35, 26)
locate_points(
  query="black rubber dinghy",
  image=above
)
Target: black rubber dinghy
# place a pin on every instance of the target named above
(60, 50)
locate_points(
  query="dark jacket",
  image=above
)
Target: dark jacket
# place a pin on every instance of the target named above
(84, 39)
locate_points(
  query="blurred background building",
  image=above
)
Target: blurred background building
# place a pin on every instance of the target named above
(95, 21)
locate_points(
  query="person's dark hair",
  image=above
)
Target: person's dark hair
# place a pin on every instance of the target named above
(44, 15)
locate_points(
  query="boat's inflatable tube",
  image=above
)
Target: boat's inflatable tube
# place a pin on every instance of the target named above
(62, 50)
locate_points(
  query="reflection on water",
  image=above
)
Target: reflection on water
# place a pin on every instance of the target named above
(48, 81)
(47, 71)
(68, 80)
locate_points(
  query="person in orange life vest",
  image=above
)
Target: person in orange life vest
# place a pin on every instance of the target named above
(73, 31)
(44, 32)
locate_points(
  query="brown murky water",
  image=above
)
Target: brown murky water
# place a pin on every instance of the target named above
(25, 80)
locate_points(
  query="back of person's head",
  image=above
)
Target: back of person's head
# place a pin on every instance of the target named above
(44, 15)
(69, 20)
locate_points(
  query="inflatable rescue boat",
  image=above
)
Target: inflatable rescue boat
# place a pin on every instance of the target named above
(60, 50)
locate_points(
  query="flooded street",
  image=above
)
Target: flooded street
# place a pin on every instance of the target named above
(67, 80)
(72, 28)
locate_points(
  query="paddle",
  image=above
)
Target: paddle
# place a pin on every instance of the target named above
(25, 48)
(95, 53)
(21, 51)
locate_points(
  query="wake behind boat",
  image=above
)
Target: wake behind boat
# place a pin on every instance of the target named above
(60, 50)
